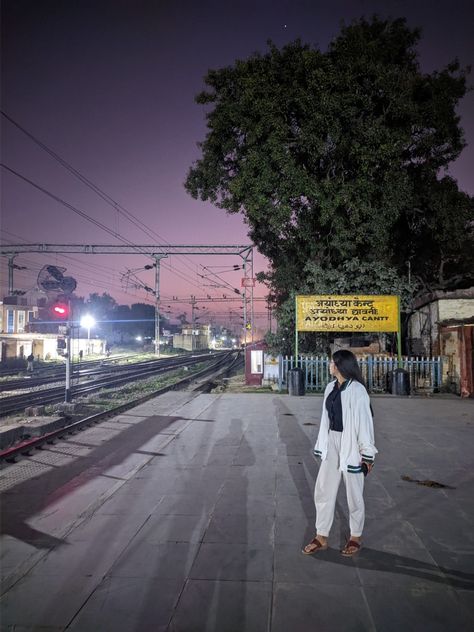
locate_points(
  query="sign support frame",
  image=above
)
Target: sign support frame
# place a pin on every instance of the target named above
(67, 390)
(399, 335)
(296, 331)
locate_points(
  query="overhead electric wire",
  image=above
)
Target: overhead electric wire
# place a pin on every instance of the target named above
(63, 256)
(104, 285)
(34, 267)
(96, 282)
(66, 204)
(228, 268)
(87, 217)
(105, 196)
(109, 200)
(223, 281)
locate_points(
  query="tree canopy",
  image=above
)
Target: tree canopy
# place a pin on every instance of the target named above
(336, 155)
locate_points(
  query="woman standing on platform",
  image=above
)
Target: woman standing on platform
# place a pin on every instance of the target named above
(346, 447)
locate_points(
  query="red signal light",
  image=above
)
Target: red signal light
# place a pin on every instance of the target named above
(60, 310)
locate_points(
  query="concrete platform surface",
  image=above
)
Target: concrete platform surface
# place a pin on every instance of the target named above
(188, 514)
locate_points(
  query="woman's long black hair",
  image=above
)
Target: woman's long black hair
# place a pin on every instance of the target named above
(347, 365)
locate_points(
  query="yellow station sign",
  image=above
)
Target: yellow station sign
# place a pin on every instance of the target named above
(347, 313)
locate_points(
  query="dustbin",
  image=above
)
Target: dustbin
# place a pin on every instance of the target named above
(295, 382)
(400, 382)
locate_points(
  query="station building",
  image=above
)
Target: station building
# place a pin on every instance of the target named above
(442, 323)
(193, 338)
(17, 315)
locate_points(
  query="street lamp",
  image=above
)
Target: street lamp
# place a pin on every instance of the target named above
(88, 322)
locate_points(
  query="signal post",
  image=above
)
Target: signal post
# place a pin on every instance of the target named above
(62, 310)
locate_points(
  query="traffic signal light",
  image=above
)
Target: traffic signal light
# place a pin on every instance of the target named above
(60, 311)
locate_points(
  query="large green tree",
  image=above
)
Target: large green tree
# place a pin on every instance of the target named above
(435, 236)
(332, 156)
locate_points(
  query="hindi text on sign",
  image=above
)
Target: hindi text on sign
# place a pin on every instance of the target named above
(347, 313)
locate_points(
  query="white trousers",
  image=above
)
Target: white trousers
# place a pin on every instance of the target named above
(325, 491)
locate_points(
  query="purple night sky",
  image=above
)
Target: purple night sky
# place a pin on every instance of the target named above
(109, 85)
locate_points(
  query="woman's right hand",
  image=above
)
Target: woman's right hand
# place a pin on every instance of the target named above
(369, 466)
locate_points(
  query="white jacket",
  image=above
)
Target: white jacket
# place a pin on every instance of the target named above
(357, 441)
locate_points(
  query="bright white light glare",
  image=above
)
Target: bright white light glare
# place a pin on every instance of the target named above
(138, 338)
(87, 321)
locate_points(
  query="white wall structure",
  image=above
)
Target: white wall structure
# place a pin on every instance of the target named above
(270, 368)
(45, 346)
(193, 338)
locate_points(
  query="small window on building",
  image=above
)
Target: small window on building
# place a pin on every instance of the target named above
(10, 321)
(31, 317)
(256, 361)
(21, 322)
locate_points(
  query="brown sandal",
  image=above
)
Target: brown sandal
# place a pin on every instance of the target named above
(316, 545)
(351, 544)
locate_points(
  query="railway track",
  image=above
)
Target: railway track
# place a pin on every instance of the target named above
(80, 371)
(118, 376)
(223, 364)
(56, 368)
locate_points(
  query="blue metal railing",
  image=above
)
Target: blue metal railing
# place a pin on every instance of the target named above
(425, 373)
